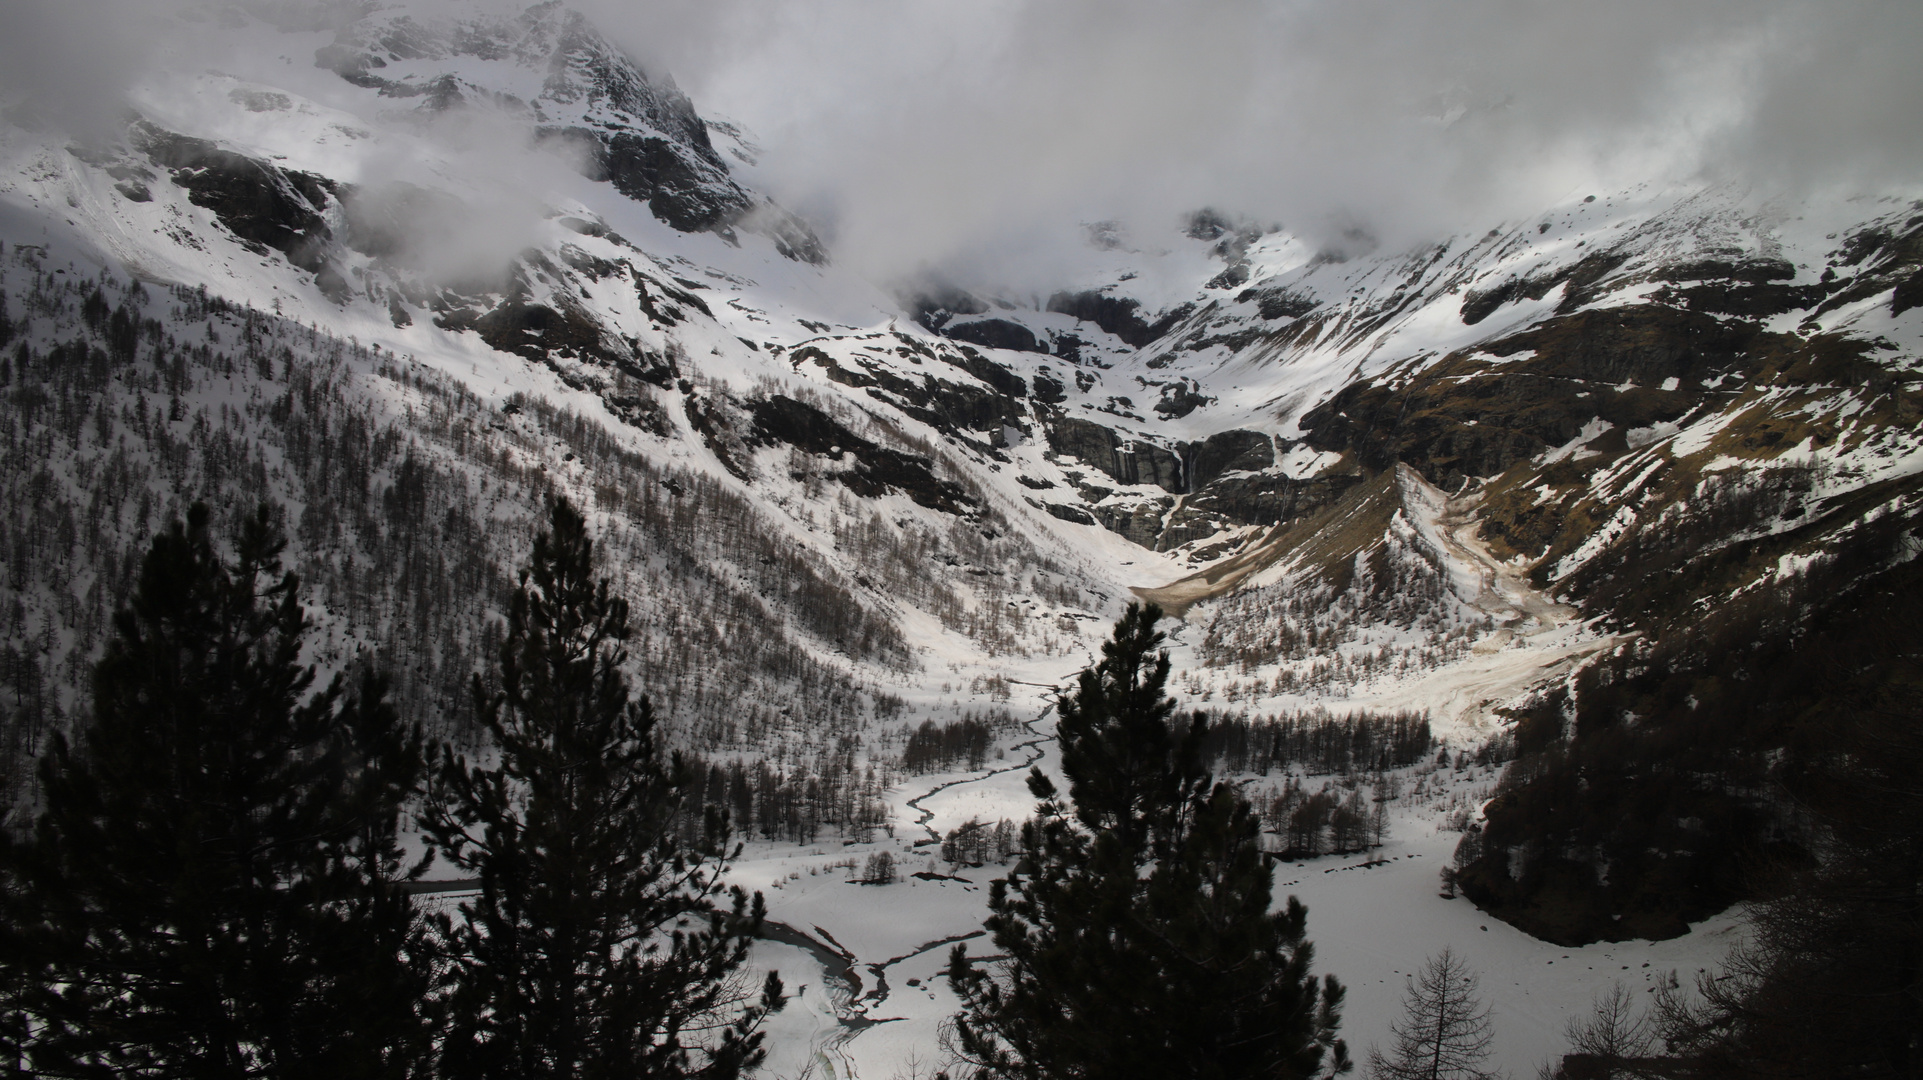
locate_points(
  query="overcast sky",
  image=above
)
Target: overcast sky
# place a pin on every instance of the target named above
(979, 132)
(917, 129)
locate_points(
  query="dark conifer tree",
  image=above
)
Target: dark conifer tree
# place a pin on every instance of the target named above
(210, 891)
(1830, 982)
(1137, 929)
(378, 1011)
(598, 946)
(1128, 767)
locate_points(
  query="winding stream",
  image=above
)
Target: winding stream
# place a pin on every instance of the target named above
(1034, 745)
(843, 969)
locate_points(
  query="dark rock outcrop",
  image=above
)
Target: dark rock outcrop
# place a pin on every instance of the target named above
(995, 334)
(1120, 316)
(1124, 461)
(1228, 478)
(1255, 499)
(1207, 223)
(1049, 390)
(686, 188)
(1003, 380)
(935, 303)
(1180, 398)
(952, 408)
(1227, 451)
(546, 334)
(682, 187)
(781, 420)
(1072, 514)
(1276, 302)
(1645, 345)
(265, 206)
(1138, 522)
(1235, 276)
(955, 407)
(1471, 417)
(1887, 254)
(1580, 276)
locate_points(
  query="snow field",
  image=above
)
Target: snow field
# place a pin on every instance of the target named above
(1373, 919)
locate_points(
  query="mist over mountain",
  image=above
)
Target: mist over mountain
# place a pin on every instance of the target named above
(924, 135)
(927, 133)
(1516, 405)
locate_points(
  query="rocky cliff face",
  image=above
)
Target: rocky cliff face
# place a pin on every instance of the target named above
(579, 94)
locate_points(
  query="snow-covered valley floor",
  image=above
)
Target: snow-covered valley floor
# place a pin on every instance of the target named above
(1373, 918)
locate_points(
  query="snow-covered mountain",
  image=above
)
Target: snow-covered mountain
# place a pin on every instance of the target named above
(404, 269)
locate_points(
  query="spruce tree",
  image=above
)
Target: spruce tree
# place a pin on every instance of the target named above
(598, 945)
(1136, 929)
(210, 890)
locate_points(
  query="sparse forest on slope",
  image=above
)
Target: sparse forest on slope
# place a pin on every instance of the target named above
(397, 486)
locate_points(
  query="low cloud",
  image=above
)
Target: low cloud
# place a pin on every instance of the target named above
(923, 132)
(449, 197)
(979, 139)
(71, 64)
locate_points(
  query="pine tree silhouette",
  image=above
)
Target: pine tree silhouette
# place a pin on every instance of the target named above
(1136, 928)
(212, 888)
(598, 947)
